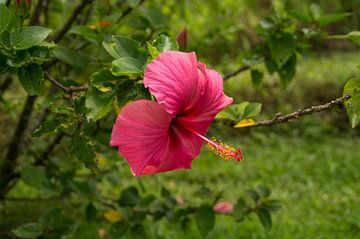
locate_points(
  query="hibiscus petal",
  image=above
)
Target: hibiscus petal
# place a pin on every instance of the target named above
(213, 98)
(173, 79)
(149, 140)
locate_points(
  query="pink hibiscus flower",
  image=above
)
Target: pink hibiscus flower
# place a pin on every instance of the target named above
(168, 134)
(225, 207)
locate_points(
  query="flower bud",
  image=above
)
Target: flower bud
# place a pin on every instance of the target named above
(182, 38)
(23, 8)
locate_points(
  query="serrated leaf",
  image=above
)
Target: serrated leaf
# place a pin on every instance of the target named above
(31, 77)
(113, 216)
(245, 123)
(99, 103)
(28, 37)
(205, 219)
(82, 149)
(265, 218)
(282, 47)
(29, 230)
(165, 43)
(48, 127)
(33, 176)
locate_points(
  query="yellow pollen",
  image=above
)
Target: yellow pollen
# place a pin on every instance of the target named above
(225, 151)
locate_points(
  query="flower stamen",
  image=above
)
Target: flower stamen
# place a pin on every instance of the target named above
(225, 151)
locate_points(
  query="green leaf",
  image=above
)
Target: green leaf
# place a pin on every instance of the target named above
(72, 58)
(271, 66)
(129, 196)
(127, 66)
(90, 213)
(29, 230)
(153, 51)
(282, 47)
(288, 70)
(264, 191)
(82, 149)
(253, 194)
(88, 34)
(205, 219)
(138, 232)
(48, 127)
(104, 81)
(33, 176)
(330, 18)
(28, 37)
(240, 210)
(316, 11)
(99, 103)
(126, 91)
(164, 43)
(273, 205)
(265, 218)
(5, 17)
(119, 228)
(251, 110)
(354, 37)
(31, 77)
(300, 16)
(256, 77)
(55, 220)
(352, 105)
(125, 47)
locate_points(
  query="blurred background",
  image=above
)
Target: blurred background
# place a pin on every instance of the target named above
(311, 164)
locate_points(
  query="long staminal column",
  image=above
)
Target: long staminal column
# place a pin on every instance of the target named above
(225, 151)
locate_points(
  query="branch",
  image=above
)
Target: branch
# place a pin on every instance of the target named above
(36, 14)
(67, 89)
(279, 119)
(128, 11)
(238, 71)
(67, 25)
(41, 160)
(5, 85)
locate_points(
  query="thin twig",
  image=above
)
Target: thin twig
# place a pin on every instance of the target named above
(67, 89)
(42, 159)
(279, 119)
(67, 25)
(236, 72)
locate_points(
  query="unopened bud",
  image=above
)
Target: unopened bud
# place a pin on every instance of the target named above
(23, 8)
(182, 38)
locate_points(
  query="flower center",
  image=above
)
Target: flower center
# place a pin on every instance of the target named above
(225, 151)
